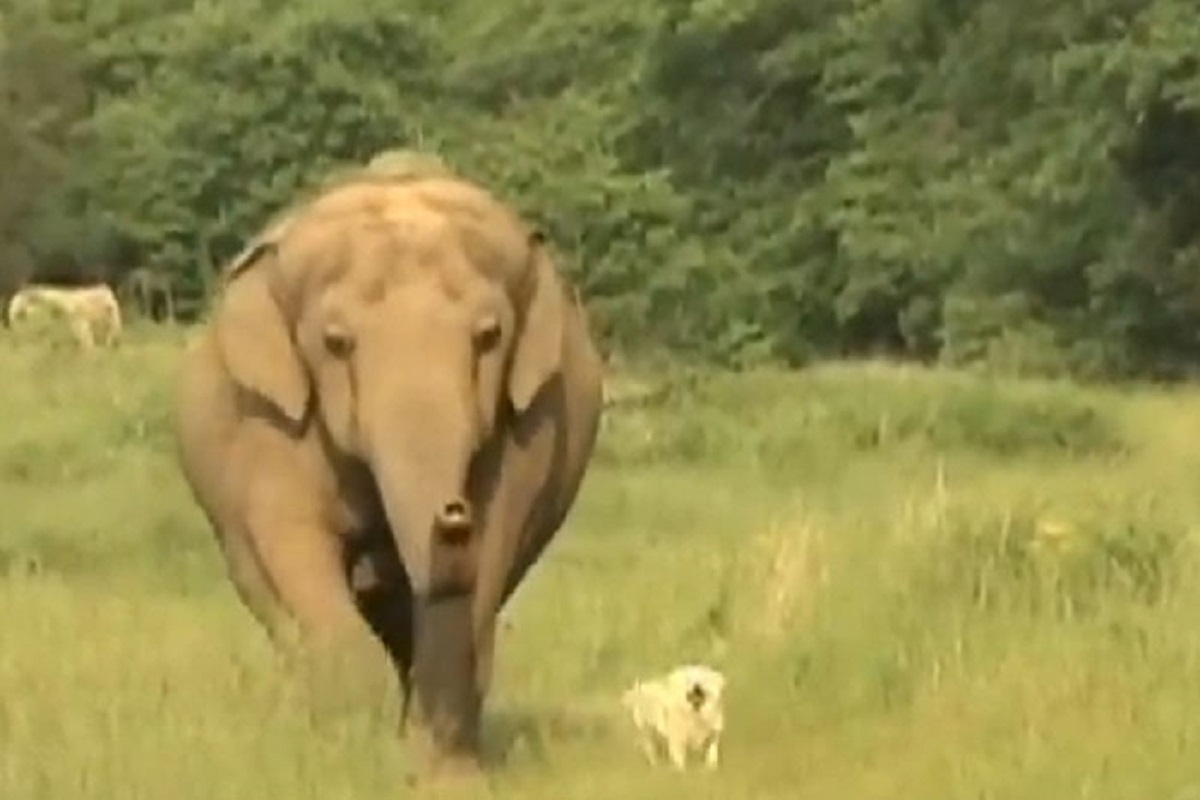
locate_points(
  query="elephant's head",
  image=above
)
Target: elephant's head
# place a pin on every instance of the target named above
(408, 320)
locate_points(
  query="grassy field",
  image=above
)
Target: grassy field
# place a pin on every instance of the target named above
(921, 585)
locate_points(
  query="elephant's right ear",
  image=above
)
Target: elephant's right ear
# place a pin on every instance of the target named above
(252, 334)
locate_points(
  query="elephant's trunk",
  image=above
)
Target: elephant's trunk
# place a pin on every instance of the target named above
(421, 467)
(419, 429)
(424, 496)
(447, 699)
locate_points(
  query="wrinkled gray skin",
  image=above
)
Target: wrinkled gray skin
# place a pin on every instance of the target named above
(385, 420)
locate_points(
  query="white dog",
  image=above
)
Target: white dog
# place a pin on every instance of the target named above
(683, 710)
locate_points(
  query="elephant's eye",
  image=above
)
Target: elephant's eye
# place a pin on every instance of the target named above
(487, 333)
(338, 341)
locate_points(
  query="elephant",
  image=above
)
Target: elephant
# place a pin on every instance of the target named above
(394, 381)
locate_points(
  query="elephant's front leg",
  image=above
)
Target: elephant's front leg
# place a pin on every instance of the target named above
(485, 650)
(303, 563)
(252, 586)
(385, 600)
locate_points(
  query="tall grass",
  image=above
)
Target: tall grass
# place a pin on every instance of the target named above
(920, 584)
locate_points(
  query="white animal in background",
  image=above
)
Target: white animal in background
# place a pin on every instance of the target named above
(86, 308)
(683, 711)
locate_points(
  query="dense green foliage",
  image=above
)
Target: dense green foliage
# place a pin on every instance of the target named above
(1004, 182)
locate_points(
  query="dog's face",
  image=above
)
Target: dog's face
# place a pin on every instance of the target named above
(700, 687)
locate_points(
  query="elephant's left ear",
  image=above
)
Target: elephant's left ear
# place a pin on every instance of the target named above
(537, 355)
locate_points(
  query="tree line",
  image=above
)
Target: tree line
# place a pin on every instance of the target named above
(1010, 183)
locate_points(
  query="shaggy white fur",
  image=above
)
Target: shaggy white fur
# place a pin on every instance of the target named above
(683, 711)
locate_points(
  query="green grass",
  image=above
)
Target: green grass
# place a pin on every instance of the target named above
(920, 584)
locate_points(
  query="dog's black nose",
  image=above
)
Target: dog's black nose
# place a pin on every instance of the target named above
(696, 696)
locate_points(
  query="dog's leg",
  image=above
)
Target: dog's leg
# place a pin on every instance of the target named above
(677, 748)
(649, 747)
(712, 754)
